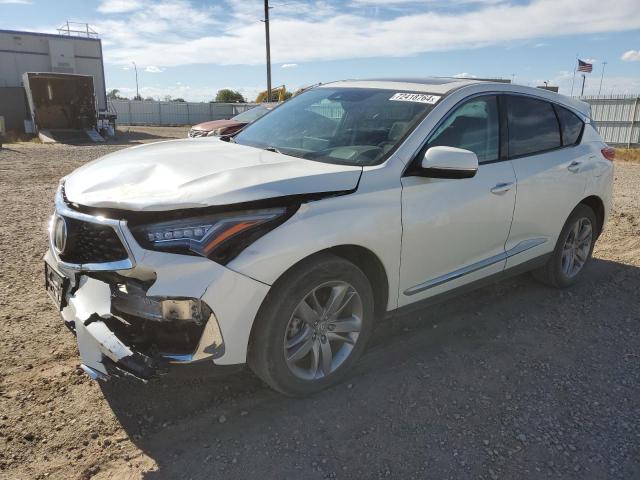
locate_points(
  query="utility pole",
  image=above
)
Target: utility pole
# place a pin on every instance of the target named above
(604, 64)
(135, 67)
(584, 78)
(266, 30)
(575, 66)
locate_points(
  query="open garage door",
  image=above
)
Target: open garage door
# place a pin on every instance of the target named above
(63, 105)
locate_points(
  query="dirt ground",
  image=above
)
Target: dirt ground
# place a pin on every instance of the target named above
(512, 381)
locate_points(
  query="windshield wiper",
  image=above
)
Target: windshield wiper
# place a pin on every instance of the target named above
(273, 149)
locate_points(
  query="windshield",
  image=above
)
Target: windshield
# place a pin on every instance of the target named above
(250, 115)
(353, 126)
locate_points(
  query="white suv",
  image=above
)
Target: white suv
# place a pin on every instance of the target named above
(283, 245)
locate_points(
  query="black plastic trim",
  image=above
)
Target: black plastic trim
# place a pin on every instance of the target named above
(445, 173)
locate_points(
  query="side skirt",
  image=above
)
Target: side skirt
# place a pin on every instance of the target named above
(496, 277)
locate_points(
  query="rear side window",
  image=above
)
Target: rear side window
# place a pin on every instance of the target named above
(570, 125)
(533, 126)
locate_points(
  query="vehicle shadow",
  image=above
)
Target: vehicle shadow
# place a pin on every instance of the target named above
(399, 402)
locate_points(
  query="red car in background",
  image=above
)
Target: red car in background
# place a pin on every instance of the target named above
(215, 128)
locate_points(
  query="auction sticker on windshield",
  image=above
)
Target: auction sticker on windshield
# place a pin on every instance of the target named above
(415, 97)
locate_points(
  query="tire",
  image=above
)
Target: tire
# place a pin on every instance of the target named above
(555, 273)
(284, 320)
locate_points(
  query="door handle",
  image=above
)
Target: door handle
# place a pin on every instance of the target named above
(502, 188)
(574, 166)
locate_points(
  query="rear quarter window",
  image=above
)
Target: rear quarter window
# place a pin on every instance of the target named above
(533, 126)
(570, 125)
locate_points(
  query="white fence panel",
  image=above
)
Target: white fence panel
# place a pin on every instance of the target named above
(133, 112)
(617, 118)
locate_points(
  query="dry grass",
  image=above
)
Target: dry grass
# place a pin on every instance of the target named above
(628, 154)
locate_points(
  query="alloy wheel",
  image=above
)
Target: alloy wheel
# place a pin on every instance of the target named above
(323, 330)
(577, 246)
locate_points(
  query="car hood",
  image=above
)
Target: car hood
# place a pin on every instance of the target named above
(199, 172)
(215, 124)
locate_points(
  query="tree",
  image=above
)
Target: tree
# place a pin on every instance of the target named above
(137, 97)
(149, 99)
(179, 100)
(227, 95)
(115, 95)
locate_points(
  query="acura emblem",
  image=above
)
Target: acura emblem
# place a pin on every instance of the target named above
(60, 234)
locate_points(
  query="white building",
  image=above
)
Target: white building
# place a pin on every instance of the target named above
(22, 52)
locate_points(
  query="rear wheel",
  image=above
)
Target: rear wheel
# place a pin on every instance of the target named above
(313, 326)
(573, 249)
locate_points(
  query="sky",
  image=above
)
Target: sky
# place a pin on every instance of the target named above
(193, 48)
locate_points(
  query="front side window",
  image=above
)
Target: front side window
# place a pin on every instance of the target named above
(570, 125)
(472, 126)
(533, 126)
(353, 126)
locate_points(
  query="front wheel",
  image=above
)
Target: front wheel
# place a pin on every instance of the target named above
(313, 326)
(573, 250)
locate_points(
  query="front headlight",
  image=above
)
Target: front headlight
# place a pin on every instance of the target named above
(220, 237)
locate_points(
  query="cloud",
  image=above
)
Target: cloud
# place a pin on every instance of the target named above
(153, 69)
(15, 2)
(120, 6)
(464, 75)
(631, 56)
(190, 94)
(318, 30)
(289, 65)
(610, 84)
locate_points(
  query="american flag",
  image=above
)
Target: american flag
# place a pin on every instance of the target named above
(585, 66)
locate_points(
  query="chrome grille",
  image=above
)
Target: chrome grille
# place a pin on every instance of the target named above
(89, 242)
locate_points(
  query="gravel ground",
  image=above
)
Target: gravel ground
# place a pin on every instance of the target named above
(512, 381)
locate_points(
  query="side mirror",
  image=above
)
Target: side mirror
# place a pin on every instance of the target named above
(449, 162)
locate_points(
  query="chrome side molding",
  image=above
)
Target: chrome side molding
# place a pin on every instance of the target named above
(474, 267)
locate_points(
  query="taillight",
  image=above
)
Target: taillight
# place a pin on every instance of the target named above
(609, 153)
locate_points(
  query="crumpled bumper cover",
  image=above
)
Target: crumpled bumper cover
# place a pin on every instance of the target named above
(101, 351)
(103, 354)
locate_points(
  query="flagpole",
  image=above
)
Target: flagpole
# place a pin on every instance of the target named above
(575, 65)
(584, 77)
(604, 64)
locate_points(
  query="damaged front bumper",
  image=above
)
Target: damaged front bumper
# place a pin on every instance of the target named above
(139, 315)
(117, 336)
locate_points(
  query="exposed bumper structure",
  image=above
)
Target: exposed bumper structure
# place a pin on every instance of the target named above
(136, 316)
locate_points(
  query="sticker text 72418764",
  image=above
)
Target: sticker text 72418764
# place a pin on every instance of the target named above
(415, 97)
